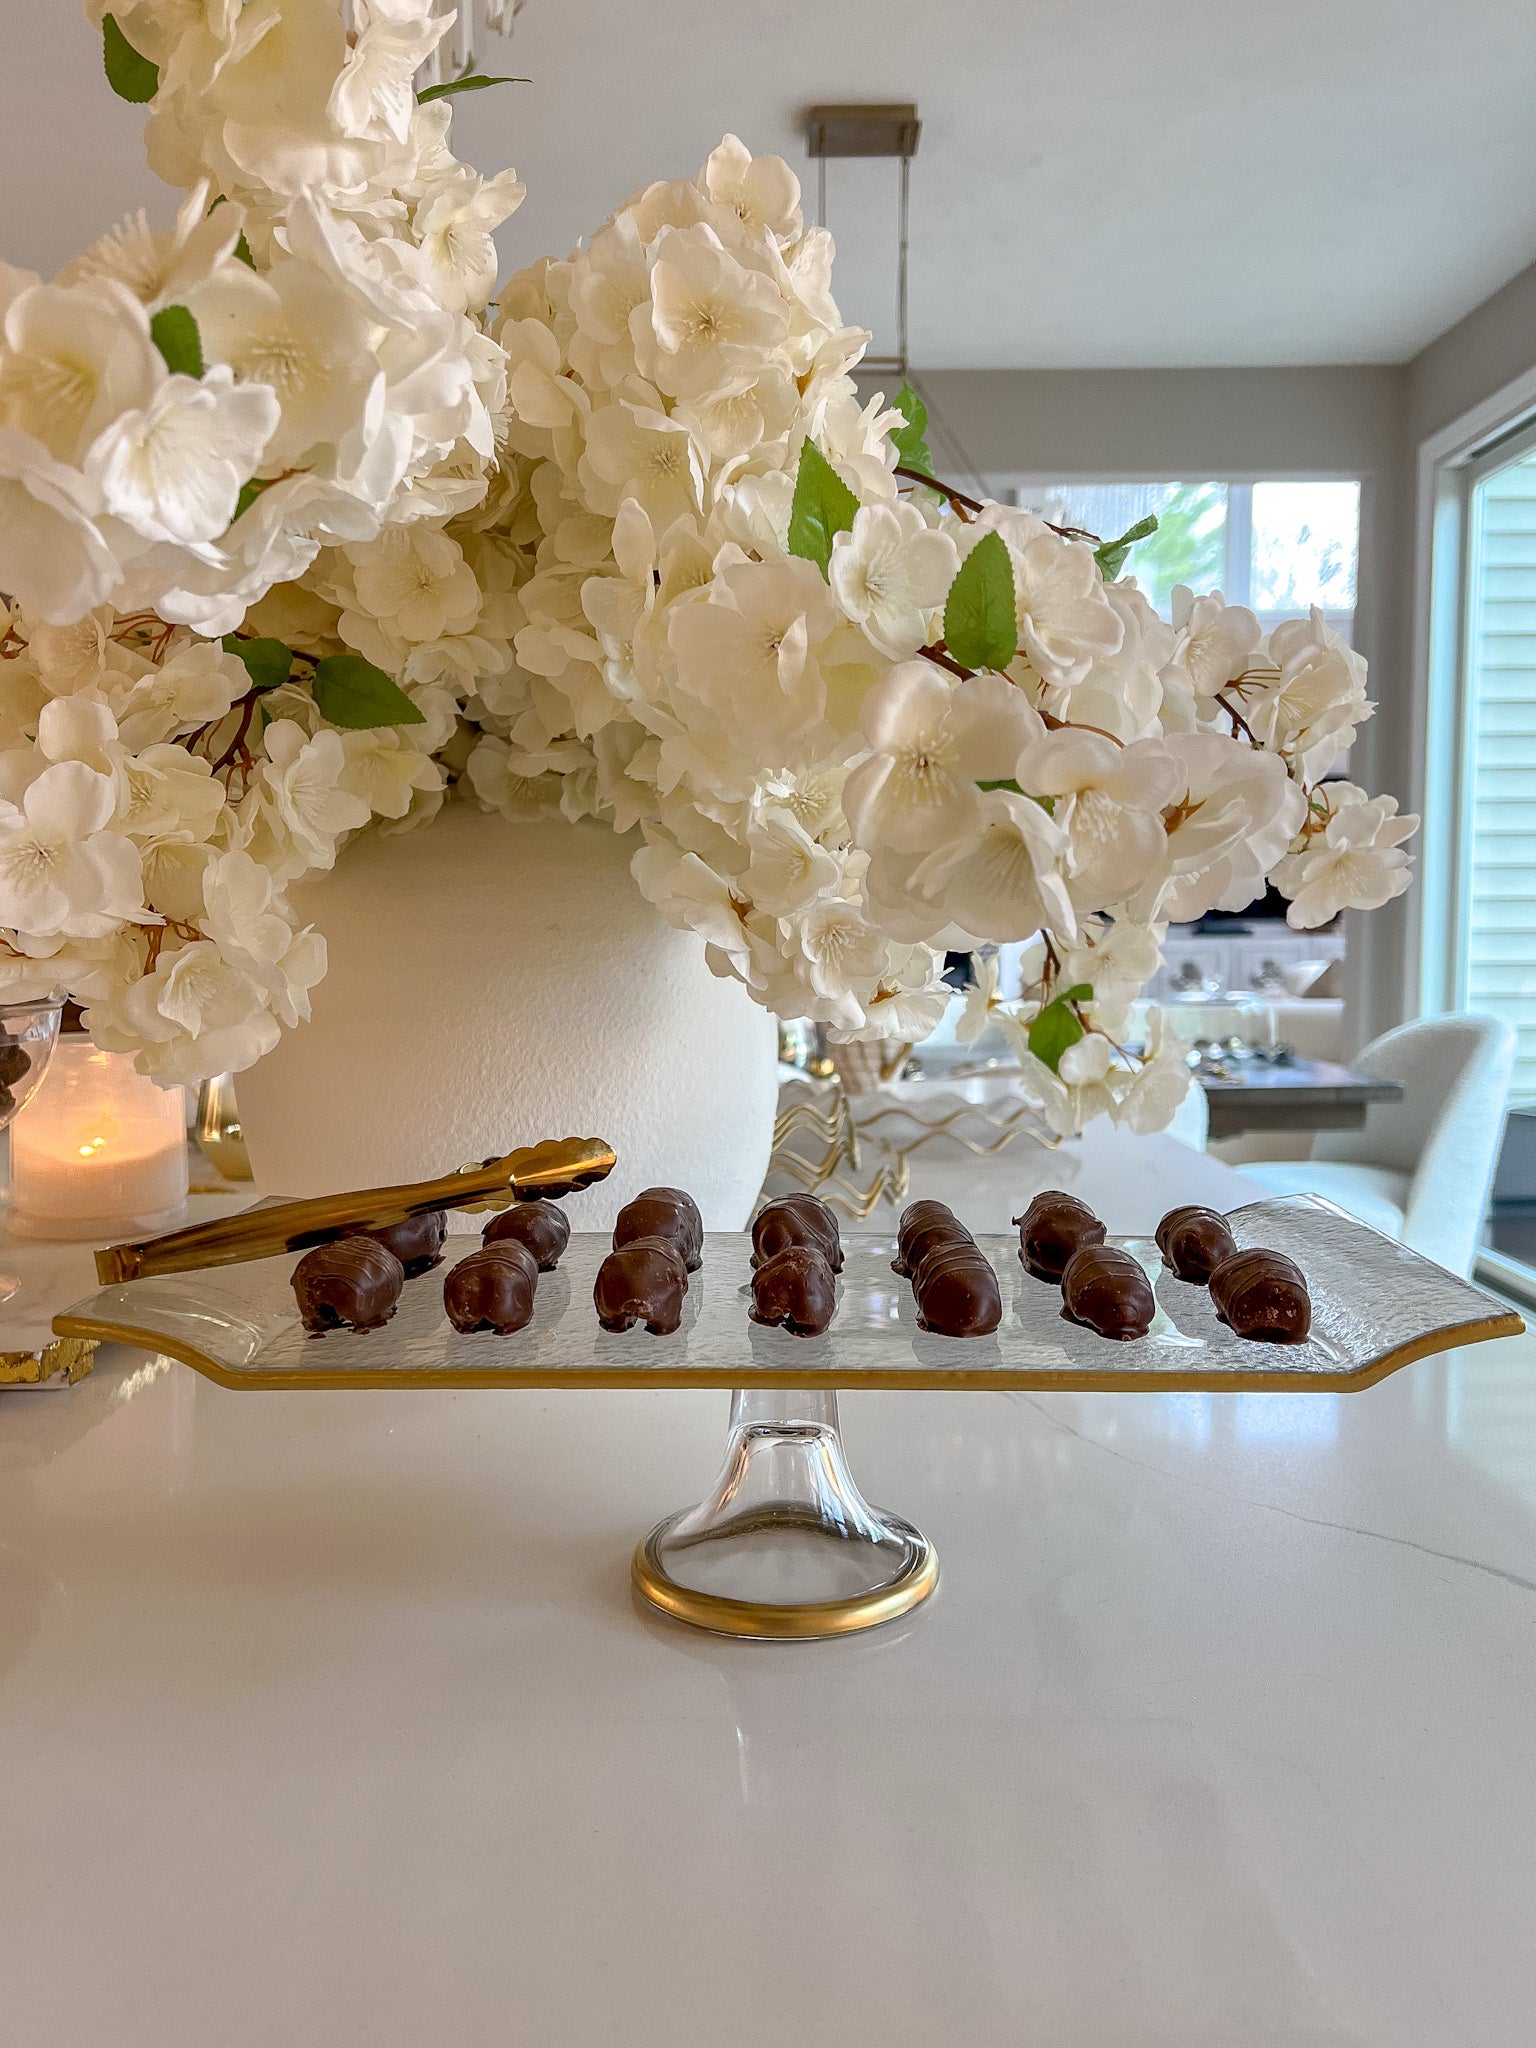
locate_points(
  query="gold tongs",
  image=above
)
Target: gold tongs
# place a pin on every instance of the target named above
(558, 1166)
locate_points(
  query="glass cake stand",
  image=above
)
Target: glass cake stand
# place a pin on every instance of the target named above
(785, 1546)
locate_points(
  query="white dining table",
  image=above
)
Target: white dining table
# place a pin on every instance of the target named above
(329, 1720)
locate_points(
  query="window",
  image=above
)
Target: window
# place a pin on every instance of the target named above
(1279, 546)
(1496, 949)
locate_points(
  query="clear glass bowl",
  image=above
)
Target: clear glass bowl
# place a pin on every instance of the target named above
(28, 1034)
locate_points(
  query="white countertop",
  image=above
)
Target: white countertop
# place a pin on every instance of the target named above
(329, 1720)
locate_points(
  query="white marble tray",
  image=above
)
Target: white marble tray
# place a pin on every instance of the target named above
(1376, 1306)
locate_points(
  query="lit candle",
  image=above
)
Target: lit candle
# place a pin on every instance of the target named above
(100, 1150)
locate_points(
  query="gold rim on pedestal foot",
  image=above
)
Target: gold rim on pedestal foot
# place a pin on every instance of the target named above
(801, 1622)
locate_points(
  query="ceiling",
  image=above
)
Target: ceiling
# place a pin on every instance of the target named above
(1187, 183)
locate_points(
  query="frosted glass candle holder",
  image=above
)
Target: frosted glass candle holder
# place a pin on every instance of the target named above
(99, 1152)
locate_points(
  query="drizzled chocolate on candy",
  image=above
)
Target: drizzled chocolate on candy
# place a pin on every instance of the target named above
(353, 1284)
(417, 1242)
(642, 1281)
(663, 1212)
(1051, 1229)
(493, 1289)
(1263, 1295)
(924, 1225)
(1106, 1289)
(956, 1291)
(541, 1226)
(797, 1219)
(1193, 1242)
(795, 1288)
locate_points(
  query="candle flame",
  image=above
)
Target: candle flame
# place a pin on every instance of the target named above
(89, 1151)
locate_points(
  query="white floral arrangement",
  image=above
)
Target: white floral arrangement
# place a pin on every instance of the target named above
(303, 535)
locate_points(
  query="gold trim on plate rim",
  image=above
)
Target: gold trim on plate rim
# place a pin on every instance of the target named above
(937, 1379)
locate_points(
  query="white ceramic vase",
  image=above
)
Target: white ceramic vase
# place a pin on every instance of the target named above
(494, 984)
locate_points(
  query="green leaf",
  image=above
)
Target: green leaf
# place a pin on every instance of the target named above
(1007, 782)
(908, 440)
(980, 623)
(243, 251)
(174, 332)
(823, 507)
(1057, 1027)
(353, 693)
(130, 76)
(269, 662)
(1110, 554)
(475, 82)
(250, 491)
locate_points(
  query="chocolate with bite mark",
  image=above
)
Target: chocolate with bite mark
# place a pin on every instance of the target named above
(795, 1288)
(541, 1226)
(1193, 1242)
(417, 1242)
(352, 1284)
(663, 1212)
(797, 1219)
(1051, 1229)
(1263, 1296)
(924, 1225)
(493, 1289)
(642, 1281)
(956, 1291)
(1106, 1290)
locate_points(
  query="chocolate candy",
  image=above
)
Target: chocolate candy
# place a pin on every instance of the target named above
(1106, 1290)
(643, 1281)
(924, 1225)
(541, 1226)
(15, 1061)
(1263, 1295)
(417, 1242)
(352, 1284)
(797, 1219)
(956, 1291)
(663, 1212)
(1193, 1242)
(1051, 1229)
(493, 1289)
(795, 1288)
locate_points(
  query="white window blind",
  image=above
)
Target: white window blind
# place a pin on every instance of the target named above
(1498, 923)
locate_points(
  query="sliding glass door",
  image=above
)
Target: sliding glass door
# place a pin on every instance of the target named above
(1493, 954)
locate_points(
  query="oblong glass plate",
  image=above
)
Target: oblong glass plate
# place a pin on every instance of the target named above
(1376, 1306)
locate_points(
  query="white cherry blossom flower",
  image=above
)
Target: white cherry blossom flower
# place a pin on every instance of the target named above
(50, 547)
(415, 582)
(1357, 863)
(300, 809)
(72, 359)
(63, 870)
(1109, 799)
(1311, 710)
(374, 94)
(763, 192)
(749, 653)
(455, 221)
(1001, 880)
(1215, 641)
(1230, 824)
(711, 318)
(932, 743)
(890, 573)
(173, 470)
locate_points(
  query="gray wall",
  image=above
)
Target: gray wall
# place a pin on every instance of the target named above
(1193, 423)
(1492, 346)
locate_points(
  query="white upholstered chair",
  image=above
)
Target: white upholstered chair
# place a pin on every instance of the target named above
(1421, 1168)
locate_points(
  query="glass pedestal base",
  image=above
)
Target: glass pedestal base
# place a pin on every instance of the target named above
(785, 1548)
